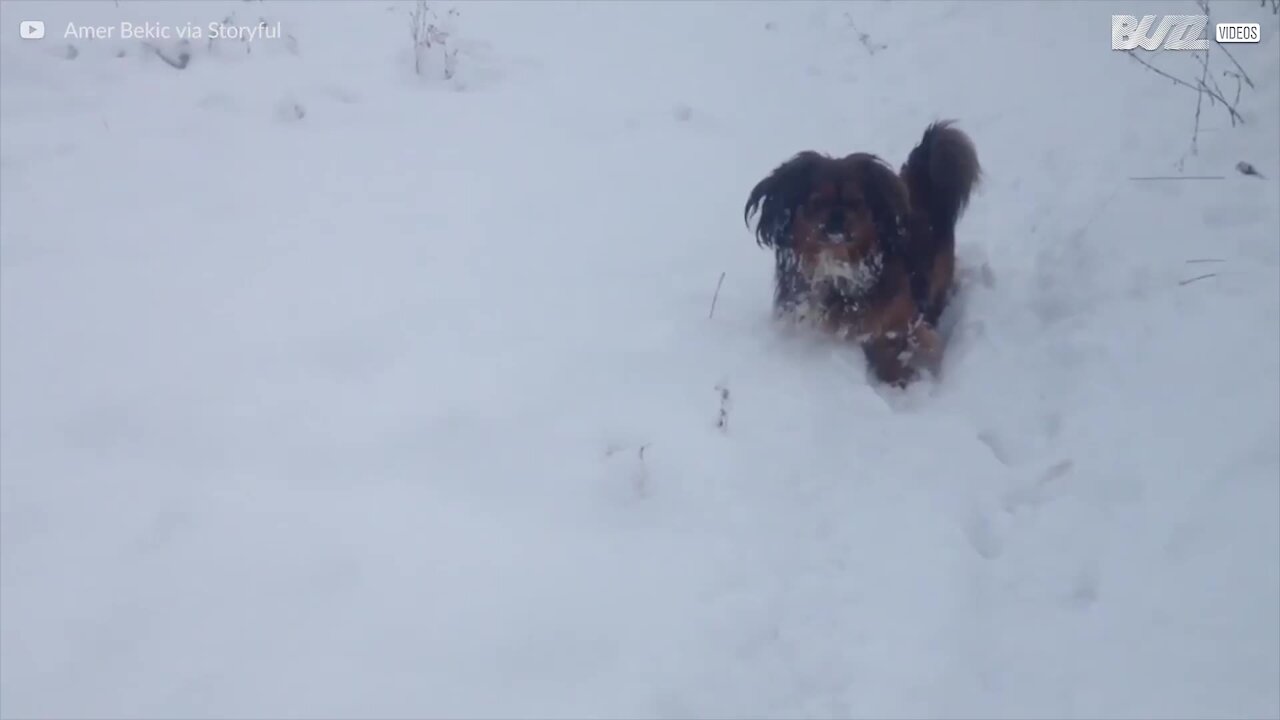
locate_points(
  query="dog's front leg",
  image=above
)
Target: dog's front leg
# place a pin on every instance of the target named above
(889, 356)
(925, 348)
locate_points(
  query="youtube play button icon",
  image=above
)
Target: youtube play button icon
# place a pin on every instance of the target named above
(31, 29)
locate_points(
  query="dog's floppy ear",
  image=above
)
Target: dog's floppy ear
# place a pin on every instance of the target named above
(886, 198)
(778, 196)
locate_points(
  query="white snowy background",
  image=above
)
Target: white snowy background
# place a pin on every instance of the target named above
(331, 390)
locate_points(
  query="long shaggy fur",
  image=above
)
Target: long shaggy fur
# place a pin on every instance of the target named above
(867, 252)
(941, 173)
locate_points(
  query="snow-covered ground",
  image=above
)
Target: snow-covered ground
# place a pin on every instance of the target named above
(327, 390)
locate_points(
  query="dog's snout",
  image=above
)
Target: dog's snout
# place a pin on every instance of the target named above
(835, 221)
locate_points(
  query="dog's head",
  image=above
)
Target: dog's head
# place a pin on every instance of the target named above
(840, 216)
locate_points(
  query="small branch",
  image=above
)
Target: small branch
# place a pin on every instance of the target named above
(1216, 89)
(1228, 73)
(722, 421)
(864, 38)
(1203, 57)
(1235, 116)
(1198, 277)
(715, 297)
(1204, 260)
(640, 481)
(418, 22)
(1242, 73)
(1195, 130)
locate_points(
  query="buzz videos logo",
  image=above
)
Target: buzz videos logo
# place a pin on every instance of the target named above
(1176, 32)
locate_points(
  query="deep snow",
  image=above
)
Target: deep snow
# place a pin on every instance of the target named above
(328, 390)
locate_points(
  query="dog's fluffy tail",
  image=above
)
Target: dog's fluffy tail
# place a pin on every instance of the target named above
(940, 173)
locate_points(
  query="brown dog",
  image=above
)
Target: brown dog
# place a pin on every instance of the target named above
(865, 252)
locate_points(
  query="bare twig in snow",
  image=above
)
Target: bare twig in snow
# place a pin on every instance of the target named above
(427, 34)
(641, 479)
(1240, 71)
(1195, 130)
(1228, 73)
(864, 38)
(1204, 260)
(1198, 277)
(1236, 118)
(418, 24)
(1203, 58)
(715, 297)
(722, 421)
(639, 476)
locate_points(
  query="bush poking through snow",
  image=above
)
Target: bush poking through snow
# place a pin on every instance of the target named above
(867, 43)
(1206, 85)
(430, 34)
(722, 420)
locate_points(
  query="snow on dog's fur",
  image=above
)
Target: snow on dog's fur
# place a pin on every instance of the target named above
(873, 251)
